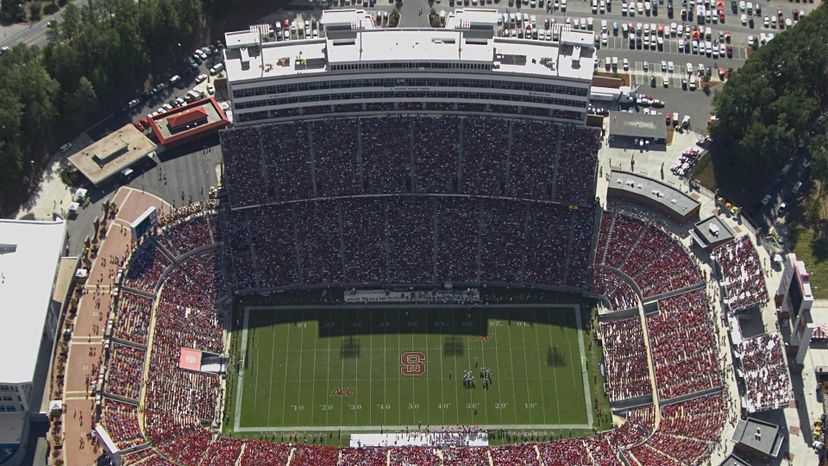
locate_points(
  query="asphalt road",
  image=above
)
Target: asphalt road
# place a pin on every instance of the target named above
(35, 34)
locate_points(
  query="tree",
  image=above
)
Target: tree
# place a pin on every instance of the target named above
(83, 102)
(12, 10)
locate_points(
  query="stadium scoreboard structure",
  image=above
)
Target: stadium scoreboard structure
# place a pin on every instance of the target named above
(144, 223)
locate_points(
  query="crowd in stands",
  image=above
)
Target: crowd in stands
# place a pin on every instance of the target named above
(687, 432)
(258, 452)
(132, 318)
(645, 251)
(368, 240)
(223, 452)
(619, 292)
(189, 229)
(417, 154)
(121, 423)
(411, 239)
(125, 371)
(145, 267)
(765, 373)
(625, 359)
(742, 276)
(363, 457)
(683, 346)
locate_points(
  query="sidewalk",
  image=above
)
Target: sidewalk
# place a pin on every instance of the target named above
(86, 344)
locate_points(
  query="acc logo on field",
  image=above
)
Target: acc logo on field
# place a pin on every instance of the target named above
(412, 363)
(190, 359)
(342, 391)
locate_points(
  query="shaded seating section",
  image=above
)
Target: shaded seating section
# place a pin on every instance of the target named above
(124, 375)
(145, 267)
(132, 318)
(625, 359)
(411, 239)
(742, 276)
(121, 422)
(343, 156)
(683, 346)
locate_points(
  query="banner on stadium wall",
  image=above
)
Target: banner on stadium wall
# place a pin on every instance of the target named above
(190, 359)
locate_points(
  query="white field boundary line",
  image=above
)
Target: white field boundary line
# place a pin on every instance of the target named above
(412, 428)
(576, 308)
(242, 361)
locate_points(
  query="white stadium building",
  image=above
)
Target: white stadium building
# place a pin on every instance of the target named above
(358, 68)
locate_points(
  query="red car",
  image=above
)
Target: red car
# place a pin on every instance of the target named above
(721, 16)
(138, 126)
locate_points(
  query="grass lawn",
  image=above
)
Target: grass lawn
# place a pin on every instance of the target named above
(803, 245)
(330, 369)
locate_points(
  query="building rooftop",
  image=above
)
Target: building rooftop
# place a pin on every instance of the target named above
(759, 435)
(654, 190)
(29, 255)
(637, 125)
(250, 55)
(733, 460)
(109, 155)
(712, 230)
(188, 121)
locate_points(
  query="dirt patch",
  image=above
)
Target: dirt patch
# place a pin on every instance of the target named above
(625, 77)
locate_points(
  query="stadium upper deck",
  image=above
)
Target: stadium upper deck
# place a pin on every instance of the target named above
(359, 68)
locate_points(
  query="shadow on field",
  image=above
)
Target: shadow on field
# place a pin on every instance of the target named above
(333, 322)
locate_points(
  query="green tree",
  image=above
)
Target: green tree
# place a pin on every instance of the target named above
(12, 10)
(84, 101)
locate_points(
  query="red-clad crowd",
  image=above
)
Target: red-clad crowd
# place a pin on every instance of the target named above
(684, 348)
(625, 359)
(617, 290)
(121, 423)
(125, 369)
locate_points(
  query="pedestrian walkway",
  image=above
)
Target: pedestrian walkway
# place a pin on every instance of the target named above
(86, 344)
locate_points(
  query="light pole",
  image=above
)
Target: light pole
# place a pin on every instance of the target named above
(31, 163)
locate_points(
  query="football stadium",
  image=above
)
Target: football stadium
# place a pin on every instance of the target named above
(409, 262)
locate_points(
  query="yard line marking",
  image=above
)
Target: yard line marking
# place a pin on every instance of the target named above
(526, 368)
(540, 365)
(512, 369)
(313, 373)
(328, 371)
(242, 361)
(483, 364)
(299, 372)
(442, 381)
(284, 388)
(497, 361)
(385, 373)
(584, 360)
(456, 373)
(370, 365)
(342, 369)
(554, 377)
(399, 384)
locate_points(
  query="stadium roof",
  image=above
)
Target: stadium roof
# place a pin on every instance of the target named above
(188, 121)
(712, 232)
(760, 436)
(28, 263)
(733, 460)
(250, 55)
(109, 155)
(670, 199)
(637, 125)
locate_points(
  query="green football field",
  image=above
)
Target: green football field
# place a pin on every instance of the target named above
(364, 369)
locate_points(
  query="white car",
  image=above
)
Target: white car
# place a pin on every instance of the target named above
(604, 38)
(766, 22)
(603, 6)
(750, 41)
(744, 19)
(689, 68)
(742, 5)
(671, 66)
(665, 81)
(681, 45)
(722, 50)
(663, 65)
(749, 7)
(200, 78)
(626, 65)
(603, 25)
